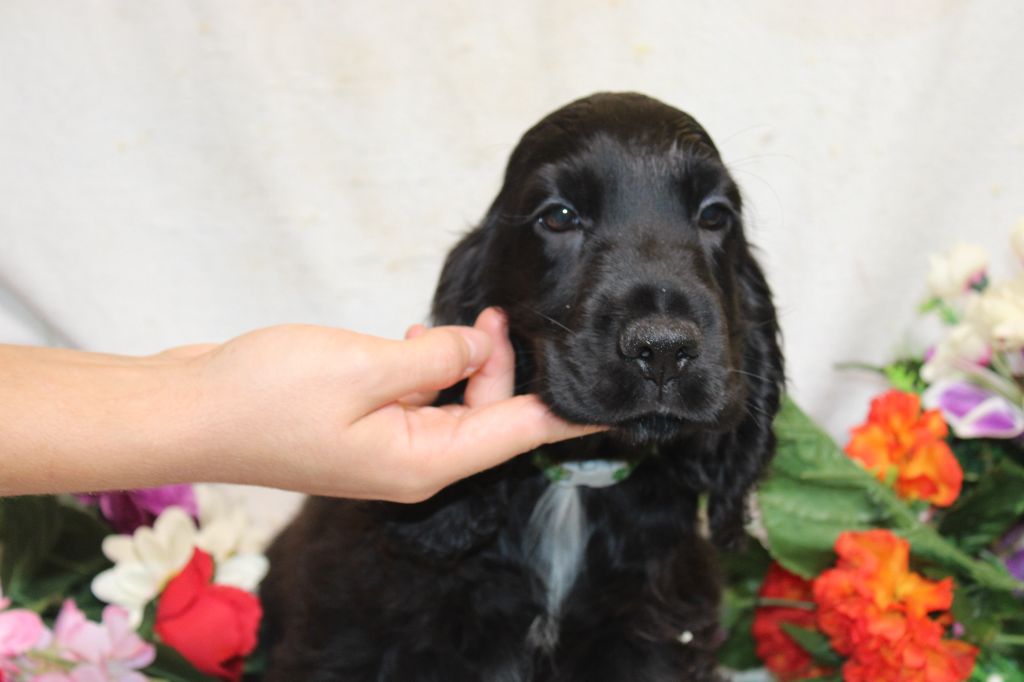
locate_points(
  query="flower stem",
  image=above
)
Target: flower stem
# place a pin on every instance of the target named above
(860, 365)
(1011, 640)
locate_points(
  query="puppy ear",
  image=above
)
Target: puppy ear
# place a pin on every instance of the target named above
(460, 294)
(740, 455)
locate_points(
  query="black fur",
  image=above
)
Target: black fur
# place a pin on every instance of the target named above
(443, 591)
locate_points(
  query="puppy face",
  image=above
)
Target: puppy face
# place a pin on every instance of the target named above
(616, 248)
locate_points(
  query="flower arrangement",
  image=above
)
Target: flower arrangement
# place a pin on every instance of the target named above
(130, 586)
(901, 556)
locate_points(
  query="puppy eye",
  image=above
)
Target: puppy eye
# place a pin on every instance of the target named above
(714, 217)
(559, 219)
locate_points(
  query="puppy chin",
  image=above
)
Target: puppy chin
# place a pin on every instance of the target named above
(640, 427)
(650, 429)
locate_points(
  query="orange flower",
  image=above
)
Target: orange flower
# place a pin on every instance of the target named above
(905, 447)
(884, 559)
(919, 655)
(780, 653)
(876, 612)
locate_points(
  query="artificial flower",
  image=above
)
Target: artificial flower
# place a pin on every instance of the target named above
(975, 412)
(1015, 564)
(111, 648)
(954, 272)
(20, 631)
(999, 313)
(905, 446)
(128, 509)
(883, 558)
(917, 654)
(225, 528)
(78, 650)
(963, 348)
(212, 626)
(785, 658)
(876, 612)
(147, 559)
(1011, 549)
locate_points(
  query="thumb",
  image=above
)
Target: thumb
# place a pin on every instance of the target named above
(436, 359)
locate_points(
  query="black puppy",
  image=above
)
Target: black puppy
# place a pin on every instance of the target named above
(616, 249)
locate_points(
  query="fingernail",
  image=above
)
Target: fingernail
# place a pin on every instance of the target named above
(479, 344)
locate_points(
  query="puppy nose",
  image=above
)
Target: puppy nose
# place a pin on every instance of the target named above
(660, 345)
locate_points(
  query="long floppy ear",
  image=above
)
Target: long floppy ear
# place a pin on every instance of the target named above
(460, 295)
(739, 456)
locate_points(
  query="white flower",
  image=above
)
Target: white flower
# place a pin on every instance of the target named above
(227, 535)
(952, 273)
(225, 528)
(146, 560)
(999, 312)
(964, 343)
(1017, 240)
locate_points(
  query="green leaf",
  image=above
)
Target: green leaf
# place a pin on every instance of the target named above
(172, 666)
(991, 664)
(990, 508)
(744, 571)
(29, 529)
(61, 557)
(738, 652)
(814, 643)
(814, 491)
(804, 520)
(905, 375)
(943, 309)
(984, 613)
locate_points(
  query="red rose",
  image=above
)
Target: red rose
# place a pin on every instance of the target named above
(212, 626)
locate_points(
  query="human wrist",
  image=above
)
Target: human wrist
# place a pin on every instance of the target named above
(78, 421)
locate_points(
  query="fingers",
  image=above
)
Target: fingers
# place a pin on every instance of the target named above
(496, 378)
(424, 397)
(437, 358)
(189, 351)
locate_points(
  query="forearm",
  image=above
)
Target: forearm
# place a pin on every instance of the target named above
(73, 421)
(324, 411)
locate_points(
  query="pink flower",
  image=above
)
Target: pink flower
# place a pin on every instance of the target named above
(20, 631)
(106, 651)
(89, 673)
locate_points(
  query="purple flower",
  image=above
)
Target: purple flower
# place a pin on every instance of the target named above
(975, 412)
(129, 509)
(1015, 565)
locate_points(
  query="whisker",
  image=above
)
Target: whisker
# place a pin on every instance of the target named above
(751, 408)
(549, 319)
(749, 374)
(525, 384)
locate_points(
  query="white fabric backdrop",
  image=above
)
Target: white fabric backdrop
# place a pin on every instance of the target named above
(177, 172)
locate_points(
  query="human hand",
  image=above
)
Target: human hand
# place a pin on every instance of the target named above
(332, 412)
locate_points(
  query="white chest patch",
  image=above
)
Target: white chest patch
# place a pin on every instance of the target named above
(557, 537)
